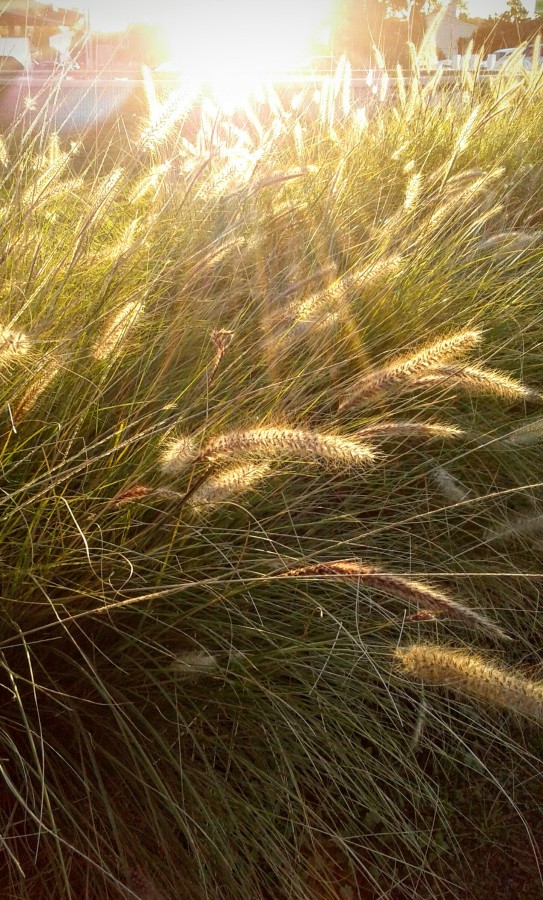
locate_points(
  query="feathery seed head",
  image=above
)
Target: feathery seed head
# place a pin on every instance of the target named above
(476, 380)
(273, 443)
(325, 306)
(468, 673)
(412, 191)
(196, 662)
(510, 241)
(411, 367)
(457, 200)
(116, 330)
(525, 435)
(178, 454)
(137, 492)
(407, 589)
(13, 345)
(410, 429)
(449, 486)
(523, 526)
(229, 484)
(37, 387)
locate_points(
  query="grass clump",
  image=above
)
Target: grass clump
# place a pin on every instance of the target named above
(204, 358)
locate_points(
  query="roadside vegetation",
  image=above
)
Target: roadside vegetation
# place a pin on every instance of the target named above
(271, 506)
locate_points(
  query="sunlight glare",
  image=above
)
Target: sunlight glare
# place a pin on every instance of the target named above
(232, 47)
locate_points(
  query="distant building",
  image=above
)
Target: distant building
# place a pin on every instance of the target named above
(18, 16)
(49, 30)
(452, 32)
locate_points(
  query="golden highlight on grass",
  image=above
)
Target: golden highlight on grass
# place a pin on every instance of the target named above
(411, 367)
(468, 673)
(36, 388)
(228, 484)
(117, 329)
(295, 443)
(476, 380)
(150, 183)
(410, 429)
(407, 589)
(412, 191)
(13, 345)
(177, 454)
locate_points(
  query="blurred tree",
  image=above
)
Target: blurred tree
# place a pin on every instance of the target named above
(497, 32)
(516, 12)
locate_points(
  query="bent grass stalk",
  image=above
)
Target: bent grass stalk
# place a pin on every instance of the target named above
(476, 380)
(410, 429)
(408, 368)
(468, 673)
(412, 591)
(294, 443)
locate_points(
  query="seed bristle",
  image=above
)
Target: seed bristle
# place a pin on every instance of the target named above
(469, 673)
(273, 443)
(477, 380)
(412, 591)
(408, 368)
(410, 429)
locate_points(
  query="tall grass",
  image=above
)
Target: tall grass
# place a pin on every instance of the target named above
(179, 339)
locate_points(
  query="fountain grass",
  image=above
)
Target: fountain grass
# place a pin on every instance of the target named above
(179, 719)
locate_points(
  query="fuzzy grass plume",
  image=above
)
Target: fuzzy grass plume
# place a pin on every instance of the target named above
(289, 443)
(228, 485)
(469, 674)
(116, 330)
(13, 346)
(525, 435)
(428, 430)
(451, 488)
(410, 590)
(177, 454)
(411, 367)
(477, 380)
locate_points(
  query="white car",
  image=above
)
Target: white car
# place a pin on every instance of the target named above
(497, 60)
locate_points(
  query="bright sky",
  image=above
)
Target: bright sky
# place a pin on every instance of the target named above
(111, 15)
(485, 8)
(205, 35)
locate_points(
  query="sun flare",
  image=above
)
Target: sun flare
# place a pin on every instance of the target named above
(232, 46)
(241, 36)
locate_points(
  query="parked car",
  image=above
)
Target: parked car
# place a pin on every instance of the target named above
(497, 60)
